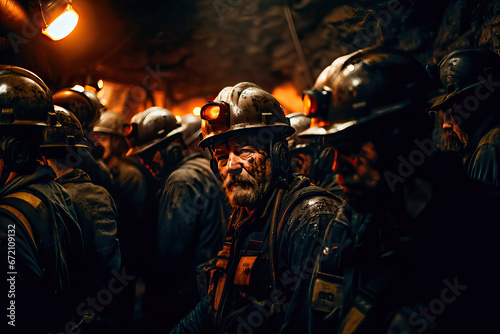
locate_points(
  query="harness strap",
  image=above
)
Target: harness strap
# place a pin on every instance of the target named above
(17, 215)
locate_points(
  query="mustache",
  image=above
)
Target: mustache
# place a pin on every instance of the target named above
(232, 179)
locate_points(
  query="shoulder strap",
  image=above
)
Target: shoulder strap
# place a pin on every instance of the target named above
(18, 216)
(33, 215)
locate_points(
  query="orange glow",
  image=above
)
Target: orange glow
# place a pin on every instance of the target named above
(289, 98)
(210, 112)
(310, 104)
(318, 122)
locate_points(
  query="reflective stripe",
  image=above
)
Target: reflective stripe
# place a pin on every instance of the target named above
(355, 316)
(27, 197)
(242, 275)
(351, 321)
(21, 218)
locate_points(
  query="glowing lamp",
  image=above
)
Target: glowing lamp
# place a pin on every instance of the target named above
(211, 112)
(59, 18)
(310, 104)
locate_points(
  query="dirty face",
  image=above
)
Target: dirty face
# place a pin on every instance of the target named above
(448, 135)
(245, 171)
(358, 175)
(104, 140)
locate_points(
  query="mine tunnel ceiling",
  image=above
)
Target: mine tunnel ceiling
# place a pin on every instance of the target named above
(190, 49)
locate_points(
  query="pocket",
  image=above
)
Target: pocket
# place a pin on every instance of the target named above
(327, 293)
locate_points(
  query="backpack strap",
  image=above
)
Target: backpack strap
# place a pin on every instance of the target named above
(17, 215)
(33, 216)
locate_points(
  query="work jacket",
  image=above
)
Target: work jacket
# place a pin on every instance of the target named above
(192, 219)
(45, 245)
(247, 291)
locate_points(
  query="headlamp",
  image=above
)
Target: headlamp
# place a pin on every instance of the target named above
(214, 118)
(215, 111)
(317, 103)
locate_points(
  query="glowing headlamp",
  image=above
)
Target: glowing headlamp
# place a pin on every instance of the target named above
(215, 111)
(317, 103)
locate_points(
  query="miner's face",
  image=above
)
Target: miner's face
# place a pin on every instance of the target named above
(447, 134)
(245, 171)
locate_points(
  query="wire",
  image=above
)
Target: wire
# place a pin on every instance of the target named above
(296, 43)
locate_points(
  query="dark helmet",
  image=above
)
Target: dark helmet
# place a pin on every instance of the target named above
(111, 122)
(24, 98)
(95, 101)
(317, 102)
(374, 84)
(151, 127)
(67, 133)
(462, 70)
(241, 108)
(300, 122)
(192, 128)
(79, 104)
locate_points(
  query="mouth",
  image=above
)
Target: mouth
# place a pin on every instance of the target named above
(239, 184)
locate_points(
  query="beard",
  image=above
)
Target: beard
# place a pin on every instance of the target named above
(450, 142)
(244, 189)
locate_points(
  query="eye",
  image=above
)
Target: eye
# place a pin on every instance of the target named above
(246, 153)
(221, 159)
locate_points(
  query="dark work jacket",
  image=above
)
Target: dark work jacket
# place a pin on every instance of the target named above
(131, 194)
(97, 217)
(241, 299)
(426, 273)
(484, 163)
(48, 282)
(191, 220)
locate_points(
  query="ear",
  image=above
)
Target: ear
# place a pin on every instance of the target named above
(16, 152)
(280, 158)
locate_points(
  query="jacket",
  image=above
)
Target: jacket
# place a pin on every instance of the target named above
(484, 163)
(243, 295)
(46, 260)
(422, 274)
(192, 219)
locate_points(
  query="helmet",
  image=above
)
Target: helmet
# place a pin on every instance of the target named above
(373, 83)
(150, 128)
(79, 104)
(464, 69)
(111, 122)
(317, 101)
(95, 101)
(243, 107)
(24, 98)
(300, 122)
(192, 127)
(67, 133)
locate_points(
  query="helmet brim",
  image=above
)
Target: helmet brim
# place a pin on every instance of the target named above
(284, 129)
(172, 135)
(445, 101)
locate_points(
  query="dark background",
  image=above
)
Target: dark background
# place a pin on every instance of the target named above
(179, 53)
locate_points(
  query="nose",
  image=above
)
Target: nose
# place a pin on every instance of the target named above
(234, 164)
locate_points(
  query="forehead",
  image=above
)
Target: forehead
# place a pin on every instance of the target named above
(236, 142)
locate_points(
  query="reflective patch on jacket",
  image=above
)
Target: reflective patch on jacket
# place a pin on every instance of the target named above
(244, 269)
(326, 293)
